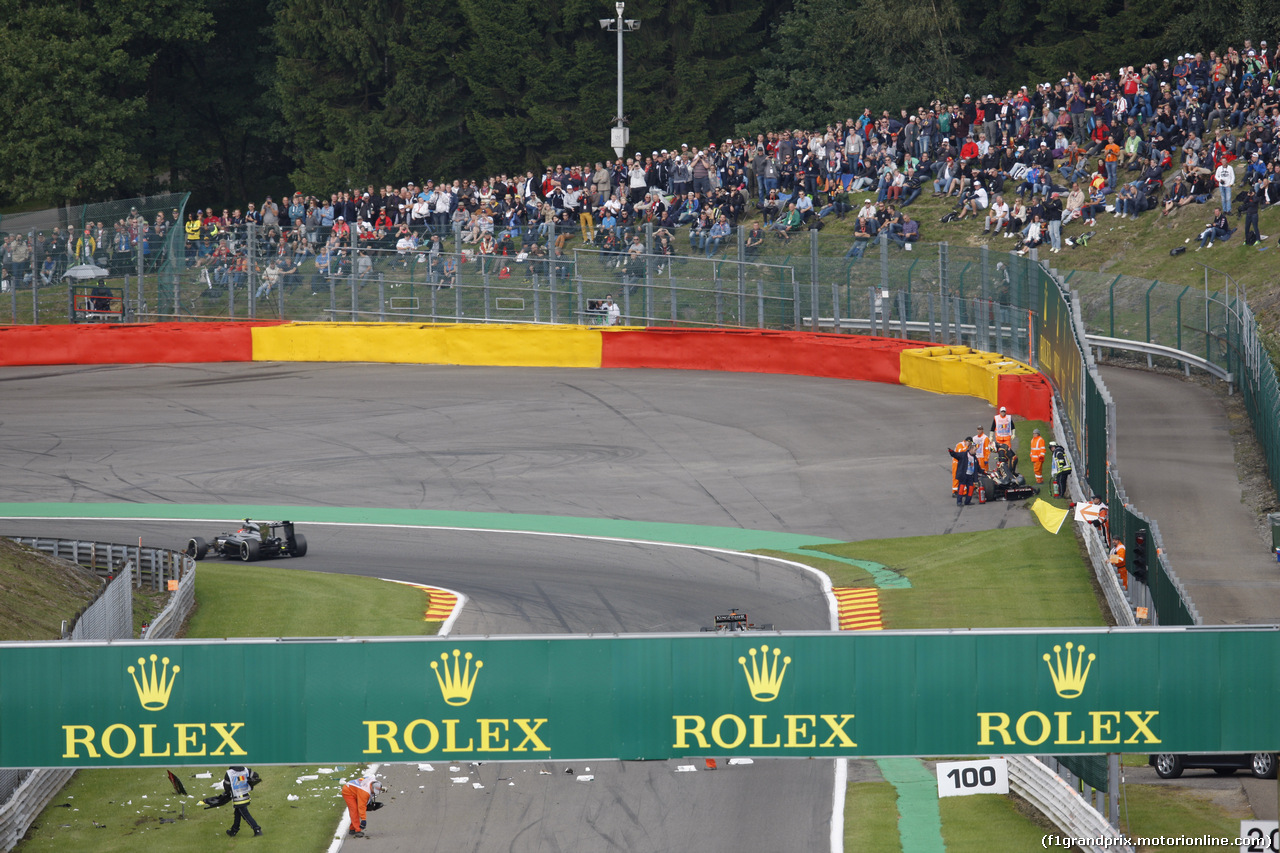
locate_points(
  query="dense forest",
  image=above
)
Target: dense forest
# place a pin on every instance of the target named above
(232, 99)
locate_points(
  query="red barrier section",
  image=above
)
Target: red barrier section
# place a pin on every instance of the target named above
(1026, 395)
(145, 343)
(739, 351)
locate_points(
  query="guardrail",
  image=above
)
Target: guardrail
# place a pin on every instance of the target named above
(157, 566)
(1188, 360)
(1039, 785)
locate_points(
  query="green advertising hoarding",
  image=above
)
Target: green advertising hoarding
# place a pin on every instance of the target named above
(649, 697)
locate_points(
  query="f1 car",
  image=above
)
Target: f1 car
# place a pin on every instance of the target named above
(735, 621)
(255, 540)
(1002, 481)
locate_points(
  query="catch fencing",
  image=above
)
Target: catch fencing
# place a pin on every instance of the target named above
(25, 793)
(77, 244)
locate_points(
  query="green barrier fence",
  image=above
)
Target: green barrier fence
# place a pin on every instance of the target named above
(650, 697)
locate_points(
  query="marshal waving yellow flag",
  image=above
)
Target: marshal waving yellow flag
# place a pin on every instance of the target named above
(1050, 516)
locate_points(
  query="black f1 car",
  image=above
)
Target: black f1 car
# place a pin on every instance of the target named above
(1001, 481)
(735, 621)
(255, 540)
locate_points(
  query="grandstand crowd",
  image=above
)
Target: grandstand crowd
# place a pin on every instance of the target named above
(1144, 141)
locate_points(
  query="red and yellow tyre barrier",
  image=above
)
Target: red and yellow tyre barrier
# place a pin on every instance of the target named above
(859, 609)
(999, 380)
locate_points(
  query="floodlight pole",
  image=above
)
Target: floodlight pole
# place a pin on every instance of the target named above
(620, 6)
(620, 134)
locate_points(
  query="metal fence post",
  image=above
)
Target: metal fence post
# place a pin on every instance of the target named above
(251, 274)
(351, 275)
(382, 298)
(813, 280)
(944, 273)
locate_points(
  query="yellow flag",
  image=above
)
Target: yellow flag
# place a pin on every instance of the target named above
(1050, 516)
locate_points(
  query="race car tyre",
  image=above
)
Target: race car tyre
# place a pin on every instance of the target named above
(197, 548)
(1168, 766)
(249, 550)
(297, 546)
(1263, 765)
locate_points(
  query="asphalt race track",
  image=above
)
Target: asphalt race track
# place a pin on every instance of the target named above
(825, 458)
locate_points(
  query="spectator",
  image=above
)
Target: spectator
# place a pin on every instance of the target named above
(1219, 229)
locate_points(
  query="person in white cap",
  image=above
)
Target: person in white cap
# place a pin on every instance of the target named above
(1002, 427)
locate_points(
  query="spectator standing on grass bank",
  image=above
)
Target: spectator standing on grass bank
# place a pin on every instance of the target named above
(1226, 178)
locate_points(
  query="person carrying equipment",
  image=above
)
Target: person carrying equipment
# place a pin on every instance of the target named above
(360, 795)
(1002, 427)
(1037, 455)
(1059, 469)
(1117, 560)
(238, 785)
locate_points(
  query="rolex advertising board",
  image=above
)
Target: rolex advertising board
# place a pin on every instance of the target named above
(651, 697)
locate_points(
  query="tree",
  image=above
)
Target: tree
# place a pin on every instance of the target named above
(72, 88)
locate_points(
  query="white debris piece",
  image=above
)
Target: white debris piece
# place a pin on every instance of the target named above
(686, 768)
(204, 775)
(454, 768)
(509, 785)
(586, 778)
(293, 797)
(544, 772)
(327, 770)
(741, 761)
(426, 768)
(477, 785)
(458, 779)
(310, 778)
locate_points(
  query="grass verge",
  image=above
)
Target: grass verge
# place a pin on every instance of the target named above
(1172, 810)
(985, 822)
(133, 810)
(871, 818)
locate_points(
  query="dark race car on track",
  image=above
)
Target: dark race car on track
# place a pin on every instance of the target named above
(255, 540)
(735, 620)
(1002, 480)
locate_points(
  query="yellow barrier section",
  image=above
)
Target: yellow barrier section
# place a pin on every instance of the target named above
(430, 343)
(958, 370)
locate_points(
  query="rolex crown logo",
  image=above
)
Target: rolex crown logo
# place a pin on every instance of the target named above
(764, 679)
(1069, 676)
(153, 688)
(456, 685)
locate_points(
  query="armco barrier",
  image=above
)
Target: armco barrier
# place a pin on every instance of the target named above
(797, 353)
(445, 343)
(151, 343)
